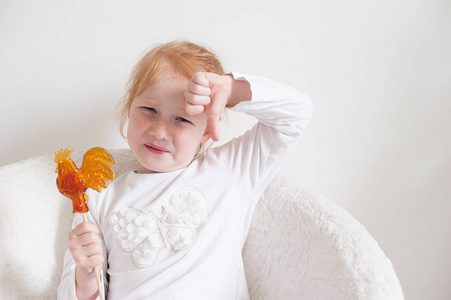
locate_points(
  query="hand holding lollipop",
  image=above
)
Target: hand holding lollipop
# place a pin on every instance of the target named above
(72, 182)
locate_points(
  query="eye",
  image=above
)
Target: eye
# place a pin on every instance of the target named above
(151, 109)
(183, 120)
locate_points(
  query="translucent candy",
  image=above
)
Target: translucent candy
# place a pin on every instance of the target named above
(94, 173)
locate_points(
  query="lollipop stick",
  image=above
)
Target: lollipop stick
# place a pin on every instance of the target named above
(97, 271)
(99, 283)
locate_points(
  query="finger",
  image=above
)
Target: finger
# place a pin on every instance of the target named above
(201, 79)
(92, 250)
(198, 89)
(194, 104)
(76, 243)
(196, 99)
(83, 228)
(90, 238)
(194, 109)
(86, 253)
(88, 263)
(213, 126)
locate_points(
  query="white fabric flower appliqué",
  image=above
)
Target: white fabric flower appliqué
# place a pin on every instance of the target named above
(177, 226)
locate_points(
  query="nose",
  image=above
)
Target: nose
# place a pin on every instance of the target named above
(161, 130)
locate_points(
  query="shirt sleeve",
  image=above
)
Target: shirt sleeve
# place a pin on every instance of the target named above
(283, 114)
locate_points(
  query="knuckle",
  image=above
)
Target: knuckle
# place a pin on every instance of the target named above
(97, 249)
(93, 238)
(82, 226)
(77, 258)
(195, 89)
(92, 228)
(99, 260)
(70, 246)
(83, 264)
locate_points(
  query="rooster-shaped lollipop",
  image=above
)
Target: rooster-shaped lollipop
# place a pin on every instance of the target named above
(72, 182)
(94, 173)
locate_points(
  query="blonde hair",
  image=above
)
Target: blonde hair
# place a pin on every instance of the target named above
(181, 57)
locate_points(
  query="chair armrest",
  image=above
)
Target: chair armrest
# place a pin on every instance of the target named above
(303, 246)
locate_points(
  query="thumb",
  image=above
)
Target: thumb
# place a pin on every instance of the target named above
(213, 126)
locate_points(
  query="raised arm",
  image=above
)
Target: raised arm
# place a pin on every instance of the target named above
(283, 114)
(210, 93)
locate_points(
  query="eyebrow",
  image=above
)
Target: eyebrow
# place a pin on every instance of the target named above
(180, 110)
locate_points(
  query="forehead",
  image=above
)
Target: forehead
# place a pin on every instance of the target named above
(170, 77)
(165, 86)
(166, 71)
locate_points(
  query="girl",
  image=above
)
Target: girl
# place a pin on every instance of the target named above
(175, 227)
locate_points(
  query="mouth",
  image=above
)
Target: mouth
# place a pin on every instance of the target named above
(156, 149)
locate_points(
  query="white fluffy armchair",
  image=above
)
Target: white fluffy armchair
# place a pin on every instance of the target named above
(300, 245)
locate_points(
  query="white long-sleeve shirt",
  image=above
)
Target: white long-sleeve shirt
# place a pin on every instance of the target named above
(180, 235)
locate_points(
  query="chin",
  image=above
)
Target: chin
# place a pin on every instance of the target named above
(160, 165)
(155, 168)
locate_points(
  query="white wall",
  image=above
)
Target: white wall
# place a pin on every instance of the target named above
(379, 73)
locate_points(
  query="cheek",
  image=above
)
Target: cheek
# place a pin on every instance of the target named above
(135, 127)
(136, 122)
(188, 140)
(130, 128)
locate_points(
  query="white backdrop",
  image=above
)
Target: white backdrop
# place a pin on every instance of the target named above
(379, 73)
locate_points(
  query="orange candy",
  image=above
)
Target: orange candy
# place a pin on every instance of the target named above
(94, 173)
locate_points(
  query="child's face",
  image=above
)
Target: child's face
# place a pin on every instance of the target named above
(161, 135)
